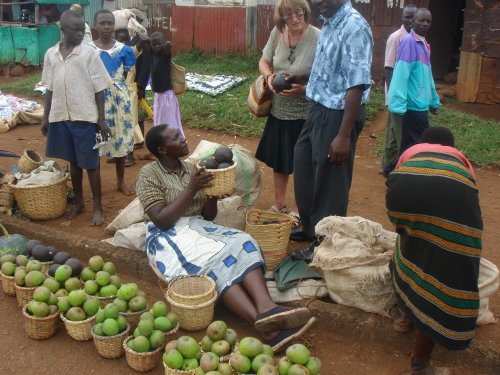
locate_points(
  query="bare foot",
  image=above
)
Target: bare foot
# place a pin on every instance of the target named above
(76, 210)
(147, 157)
(97, 218)
(124, 189)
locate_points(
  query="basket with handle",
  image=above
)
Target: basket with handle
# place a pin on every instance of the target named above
(271, 230)
(28, 161)
(223, 181)
(8, 285)
(42, 202)
(40, 328)
(79, 330)
(110, 346)
(142, 362)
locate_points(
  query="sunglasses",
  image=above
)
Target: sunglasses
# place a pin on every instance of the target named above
(296, 15)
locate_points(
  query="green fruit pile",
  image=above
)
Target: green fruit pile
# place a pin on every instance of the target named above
(29, 276)
(147, 336)
(219, 339)
(162, 319)
(182, 354)
(251, 356)
(43, 304)
(210, 364)
(298, 361)
(109, 322)
(100, 278)
(78, 306)
(9, 262)
(130, 299)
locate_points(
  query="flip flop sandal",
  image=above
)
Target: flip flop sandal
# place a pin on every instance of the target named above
(284, 337)
(281, 318)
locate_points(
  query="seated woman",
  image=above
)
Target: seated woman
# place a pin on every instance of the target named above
(181, 239)
(432, 200)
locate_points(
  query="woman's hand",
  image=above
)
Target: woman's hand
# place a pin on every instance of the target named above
(269, 81)
(295, 90)
(200, 179)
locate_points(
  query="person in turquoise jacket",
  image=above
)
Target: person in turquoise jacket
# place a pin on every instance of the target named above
(412, 93)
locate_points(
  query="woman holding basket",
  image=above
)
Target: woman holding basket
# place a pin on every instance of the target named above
(290, 50)
(182, 239)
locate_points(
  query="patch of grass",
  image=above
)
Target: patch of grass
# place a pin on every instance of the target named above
(232, 64)
(22, 86)
(376, 103)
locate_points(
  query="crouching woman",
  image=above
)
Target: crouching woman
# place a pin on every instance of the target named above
(181, 239)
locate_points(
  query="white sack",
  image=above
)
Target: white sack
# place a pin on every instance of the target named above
(231, 212)
(488, 284)
(133, 213)
(133, 237)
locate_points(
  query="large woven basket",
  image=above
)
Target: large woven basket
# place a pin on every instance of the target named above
(28, 161)
(110, 346)
(142, 362)
(271, 230)
(223, 182)
(42, 202)
(133, 318)
(193, 317)
(40, 328)
(191, 290)
(24, 295)
(171, 371)
(81, 330)
(8, 285)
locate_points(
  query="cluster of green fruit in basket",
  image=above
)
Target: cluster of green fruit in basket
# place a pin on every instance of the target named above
(27, 273)
(221, 158)
(109, 322)
(182, 354)
(219, 339)
(211, 364)
(151, 330)
(251, 356)
(43, 304)
(78, 305)
(100, 278)
(130, 299)
(298, 361)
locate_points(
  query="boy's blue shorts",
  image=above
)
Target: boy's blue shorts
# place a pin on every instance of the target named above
(73, 141)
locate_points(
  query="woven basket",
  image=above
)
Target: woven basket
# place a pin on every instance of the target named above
(80, 331)
(223, 182)
(110, 346)
(133, 318)
(271, 230)
(103, 301)
(24, 295)
(191, 290)
(40, 328)
(193, 317)
(142, 362)
(42, 202)
(6, 197)
(8, 285)
(29, 160)
(171, 371)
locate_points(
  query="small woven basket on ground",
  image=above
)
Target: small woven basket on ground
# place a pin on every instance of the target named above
(42, 202)
(103, 301)
(192, 298)
(171, 371)
(80, 330)
(133, 318)
(28, 161)
(40, 328)
(24, 294)
(223, 182)
(271, 230)
(110, 346)
(142, 362)
(8, 285)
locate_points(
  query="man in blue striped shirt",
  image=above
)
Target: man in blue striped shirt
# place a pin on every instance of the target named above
(339, 84)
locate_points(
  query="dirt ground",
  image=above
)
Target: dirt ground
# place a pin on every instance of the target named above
(340, 353)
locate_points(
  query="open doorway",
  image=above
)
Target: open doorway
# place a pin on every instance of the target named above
(445, 35)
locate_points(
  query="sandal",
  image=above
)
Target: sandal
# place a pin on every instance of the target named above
(284, 337)
(281, 318)
(285, 210)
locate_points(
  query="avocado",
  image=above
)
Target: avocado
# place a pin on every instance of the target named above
(225, 165)
(52, 269)
(280, 83)
(223, 154)
(61, 257)
(208, 163)
(31, 244)
(76, 266)
(42, 253)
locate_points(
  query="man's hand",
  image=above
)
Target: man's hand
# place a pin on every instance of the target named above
(141, 93)
(434, 111)
(339, 150)
(103, 129)
(45, 127)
